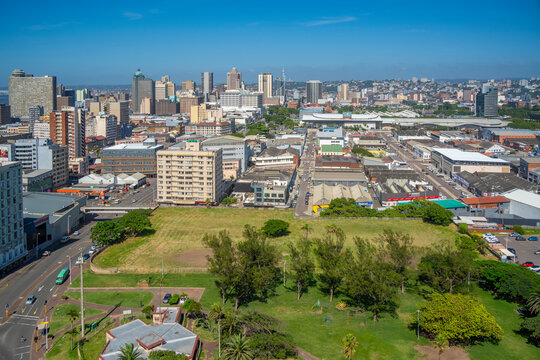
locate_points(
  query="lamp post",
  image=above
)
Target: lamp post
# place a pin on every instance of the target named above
(82, 297)
(69, 257)
(418, 324)
(68, 227)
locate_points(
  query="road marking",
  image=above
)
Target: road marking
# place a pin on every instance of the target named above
(41, 287)
(35, 311)
(23, 310)
(25, 316)
(22, 347)
(52, 289)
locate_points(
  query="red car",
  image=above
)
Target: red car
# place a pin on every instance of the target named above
(528, 263)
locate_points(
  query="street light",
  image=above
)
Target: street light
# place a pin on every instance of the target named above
(418, 324)
(69, 257)
(68, 227)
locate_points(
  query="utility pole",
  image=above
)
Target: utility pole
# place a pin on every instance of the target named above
(46, 334)
(69, 257)
(82, 298)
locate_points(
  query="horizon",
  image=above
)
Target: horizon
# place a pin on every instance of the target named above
(387, 40)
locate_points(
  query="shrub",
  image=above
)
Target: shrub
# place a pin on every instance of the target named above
(436, 214)
(463, 228)
(275, 228)
(166, 355)
(509, 281)
(174, 299)
(148, 311)
(530, 328)
(519, 229)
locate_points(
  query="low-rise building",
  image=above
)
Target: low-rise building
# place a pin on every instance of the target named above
(524, 203)
(337, 162)
(271, 187)
(271, 157)
(323, 194)
(492, 184)
(330, 136)
(131, 158)
(37, 180)
(487, 202)
(333, 177)
(527, 164)
(211, 128)
(452, 161)
(233, 148)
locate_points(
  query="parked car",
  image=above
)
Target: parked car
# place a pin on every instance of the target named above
(91, 251)
(528, 264)
(166, 298)
(512, 250)
(79, 261)
(30, 300)
(46, 253)
(86, 256)
(537, 252)
(520, 238)
(533, 238)
(535, 267)
(76, 233)
(514, 234)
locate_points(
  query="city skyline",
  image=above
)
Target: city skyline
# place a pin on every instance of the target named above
(477, 40)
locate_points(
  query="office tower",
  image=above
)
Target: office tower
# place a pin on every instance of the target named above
(343, 92)
(131, 158)
(82, 94)
(5, 114)
(188, 175)
(188, 85)
(198, 113)
(314, 91)
(41, 130)
(119, 109)
(60, 90)
(234, 79)
(103, 125)
(12, 236)
(165, 78)
(25, 91)
(42, 154)
(207, 84)
(142, 88)
(34, 113)
(67, 127)
(187, 101)
(486, 104)
(62, 101)
(265, 84)
(161, 90)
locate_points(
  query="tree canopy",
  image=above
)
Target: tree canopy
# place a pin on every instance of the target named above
(275, 228)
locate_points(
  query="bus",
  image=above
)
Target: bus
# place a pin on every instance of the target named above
(62, 276)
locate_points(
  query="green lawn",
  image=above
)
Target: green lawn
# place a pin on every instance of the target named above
(178, 230)
(60, 320)
(131, 299)
(90, 350)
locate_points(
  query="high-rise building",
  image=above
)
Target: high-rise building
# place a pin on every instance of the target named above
(188, 175)
(102, 125)
(12, 236)
(67, 127)
(343, 92)
(313, 91)
(131, 158)
(119, 109)
(198, 113)
(62, 101)
(82, 94)
(234, 79)
(25, 91)
(188, 85)
(161, 90)
(241, 98)
(207, 84)
(486, 104)
(265, 84)
(187, 101)
(5, 114)
(42, 130)
(34, 113)
(142, 88)
(42, 154)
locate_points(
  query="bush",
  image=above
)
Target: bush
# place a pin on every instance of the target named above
(174, 299)
(463, 228)
(519, 229)
(229, 201)
(509, 281)
(436, 214)
(530, 328)
(148, 310)
(166, 355)
(459, 318)
(275, 228)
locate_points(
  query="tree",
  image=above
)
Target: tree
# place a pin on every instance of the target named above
(436, 214)
(129, 352)
(533, 303)
(400, 251)
(463, 228)
(334, 231)
(72, 332)
(106, 233)
(518, 229)
(369, 280)
(148, 310)
(275, 228)
(237, 347)
(530, 328)
(135, 222)
(445, 268)
(302, 265)
(223, 261)
(440, 342)
(509, 281)
(307, 229)
(459, 318)
(73, 315)
(229, 201)
(349, 345)
(330, 258)
(192, 307)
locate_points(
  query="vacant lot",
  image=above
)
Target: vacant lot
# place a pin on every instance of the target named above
(178, 234)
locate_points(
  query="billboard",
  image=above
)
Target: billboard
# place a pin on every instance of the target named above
(5, 153)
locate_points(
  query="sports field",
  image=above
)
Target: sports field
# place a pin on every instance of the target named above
(178, 234)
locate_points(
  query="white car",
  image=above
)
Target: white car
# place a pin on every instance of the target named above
(535, 268)
(91, 251)
(79, 261)
(76, 233)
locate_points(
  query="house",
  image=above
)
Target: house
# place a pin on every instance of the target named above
(273, 156)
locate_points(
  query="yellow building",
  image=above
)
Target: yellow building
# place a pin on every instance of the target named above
(199, 113)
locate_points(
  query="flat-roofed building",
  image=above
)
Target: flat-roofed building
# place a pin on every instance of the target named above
(233, 148)
(131, 158)
(37, 180)
(26, 91)
(323, 194)
(527, 164)
(452, 161)
(187, 175)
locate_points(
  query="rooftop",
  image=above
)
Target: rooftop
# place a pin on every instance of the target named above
(323, 194)
(524, 197)
(46, 203)
(458, 155)
(485, 200)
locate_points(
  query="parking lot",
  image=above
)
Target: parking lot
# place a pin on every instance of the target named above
(524, 249)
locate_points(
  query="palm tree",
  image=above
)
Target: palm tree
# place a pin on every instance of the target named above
(533, 303)
(349, 345)
(237, 348)
(129, 352)
(334, 230)
(307, 229)
(72, 332)
(73, 315)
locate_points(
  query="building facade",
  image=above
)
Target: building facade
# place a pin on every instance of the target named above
(187, 175)
(12, 238)
(25, 91)
(131, 158)
(486, 104)
(233, 148)
(313, 91)
(266, 81)
(142, 88)
(234, 79)
(207, 84)
(68, 128)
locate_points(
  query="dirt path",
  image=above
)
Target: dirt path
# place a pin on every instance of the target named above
(451, 353)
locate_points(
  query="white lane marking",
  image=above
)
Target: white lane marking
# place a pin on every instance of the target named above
(22, 347)
(25, 316)
(52, 289)
(41, 287)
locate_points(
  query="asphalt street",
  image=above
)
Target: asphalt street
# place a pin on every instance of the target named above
(36, 278)
(307, 165)
(139, 197)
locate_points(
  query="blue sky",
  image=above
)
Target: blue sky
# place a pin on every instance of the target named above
(104, 43)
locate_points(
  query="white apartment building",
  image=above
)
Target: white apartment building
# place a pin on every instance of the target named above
(42, 130)
(103, 125)
(186, 175)
(12, 236)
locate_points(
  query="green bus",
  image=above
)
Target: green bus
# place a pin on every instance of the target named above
(62, 276)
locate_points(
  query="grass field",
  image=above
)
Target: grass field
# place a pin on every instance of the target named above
(132, 299)
(90, 350)
(60, 320)
(180, 230)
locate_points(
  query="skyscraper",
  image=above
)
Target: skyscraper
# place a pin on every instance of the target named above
(313, 91)
(34, 114)
(234, 79)
(188, 85)
(343, 92)
(5, 114)
(141, 88)
(486, 103)
(25, 91)
(67, 127)
(265, 84)
(207, 84)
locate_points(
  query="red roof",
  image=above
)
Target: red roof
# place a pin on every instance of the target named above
(485, 200)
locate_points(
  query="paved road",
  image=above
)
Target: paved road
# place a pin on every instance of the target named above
(37, 278)
(305, 174)
(142, 196)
